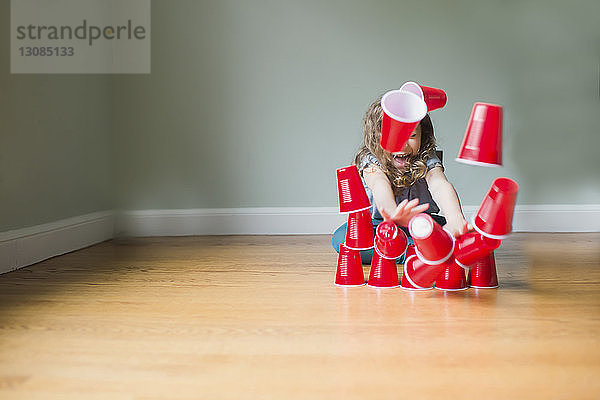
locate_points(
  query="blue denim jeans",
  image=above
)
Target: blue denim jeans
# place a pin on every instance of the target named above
(339, 237)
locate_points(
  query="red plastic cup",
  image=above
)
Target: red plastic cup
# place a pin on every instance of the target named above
(483, 274)
(473, 246)
(351, 192)
(402, 112)
(390, 241)
(433, 244)
(406, 283)
(434, 98)
(410, 251)
(453, 277)
(349, 268)
(482, 143)
(495, 214)
(420, 275)
(384, 272)
(359, 231)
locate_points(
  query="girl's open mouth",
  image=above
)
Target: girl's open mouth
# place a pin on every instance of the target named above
(400, 160)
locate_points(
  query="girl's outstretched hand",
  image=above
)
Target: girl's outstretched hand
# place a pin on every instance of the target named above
(458, 226)
(405, 211)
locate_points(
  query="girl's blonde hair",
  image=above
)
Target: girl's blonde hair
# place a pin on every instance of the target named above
(417, 167)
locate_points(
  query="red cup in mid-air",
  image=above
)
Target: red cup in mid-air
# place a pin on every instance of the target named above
(384, 272)
(482, 143)
(433, 97)
(495, 214)
(419, 274)
(433, 244)
(483, 274)
(351, 192)
(359, 230)
(473, 246)
(406, 283)
(390, 241)
(349, 268)
(402, 112)
(452, 278)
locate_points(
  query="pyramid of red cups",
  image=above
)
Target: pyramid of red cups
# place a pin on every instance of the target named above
(437, 259)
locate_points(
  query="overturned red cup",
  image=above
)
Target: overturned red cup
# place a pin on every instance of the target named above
(351, 192)
(483, 275)
(420, 275)
(402, 112)
(384, 272)
(349, 268)
(433, 97)
(359, 230)
(473, 246)
(390, 241)
(433, 244)
(482, 143)
(495, 214)
(453, 277)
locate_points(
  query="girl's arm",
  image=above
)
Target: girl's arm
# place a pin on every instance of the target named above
(384, 198)
(445, 196)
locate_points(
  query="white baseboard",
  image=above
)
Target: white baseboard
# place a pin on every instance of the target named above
(230, 221)
(22, 247)
(324, 220)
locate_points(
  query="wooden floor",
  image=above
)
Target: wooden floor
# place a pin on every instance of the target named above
(258, 317)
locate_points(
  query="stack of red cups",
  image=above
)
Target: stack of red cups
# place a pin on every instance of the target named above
(492, 222)
(390, 243)
(434, 262)
(353, 201)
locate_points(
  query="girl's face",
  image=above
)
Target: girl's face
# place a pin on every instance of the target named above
(411, 148)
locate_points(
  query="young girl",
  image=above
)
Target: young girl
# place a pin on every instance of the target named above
(396, 182)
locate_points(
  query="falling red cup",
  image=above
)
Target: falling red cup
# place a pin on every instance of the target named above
(495, 214)
(453, 277)
(483, 274)
(402, 112)
(351, 192)
(434, 245)
(482, 143)
(420, 275)
(433, 97)
(473, 246)
(384, 272)
(349, 268)
(359, 230)
(390, 241)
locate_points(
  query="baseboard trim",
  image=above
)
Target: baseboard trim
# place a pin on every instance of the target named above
(22, 247)
(230, 221)
(324, 220)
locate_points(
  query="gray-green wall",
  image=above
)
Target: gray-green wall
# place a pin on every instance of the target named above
(256, 103)
(56, 144)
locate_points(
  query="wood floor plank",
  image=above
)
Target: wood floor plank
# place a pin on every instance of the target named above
(233, 317)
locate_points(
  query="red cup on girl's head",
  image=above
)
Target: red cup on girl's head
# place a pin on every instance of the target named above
(351, 192)
(495, 214)
(402, 112)
(349, 268)
(384, 273)
(390, 241)
(473, 246)
(453, 277)
(359, 231)
(433, 244)
(434, 98)
(483, 274)
(420, 275)
(482, 143)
